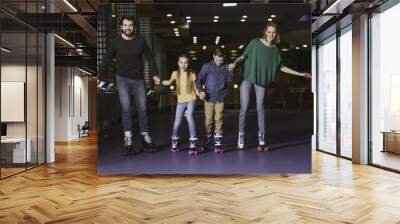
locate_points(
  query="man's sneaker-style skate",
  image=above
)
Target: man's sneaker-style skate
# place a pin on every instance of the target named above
(128, 145)
(147, 142)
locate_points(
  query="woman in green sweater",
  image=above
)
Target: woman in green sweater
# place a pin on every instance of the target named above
(261, 61)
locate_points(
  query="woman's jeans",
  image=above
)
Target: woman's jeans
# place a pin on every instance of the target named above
(136, 88)
(245, 88)
(180, 110)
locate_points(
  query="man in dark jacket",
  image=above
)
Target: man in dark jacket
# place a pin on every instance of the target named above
(128, 50)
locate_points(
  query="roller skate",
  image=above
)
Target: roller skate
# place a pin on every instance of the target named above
(218, 144)
(207, 141)
(261, 144)
(128, 145)
(174, 144)
(147, 142)
(193, 147)
(240, 144)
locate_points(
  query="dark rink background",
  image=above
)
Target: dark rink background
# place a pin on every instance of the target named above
(288, 101)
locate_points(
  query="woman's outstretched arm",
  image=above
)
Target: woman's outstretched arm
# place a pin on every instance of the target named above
(293, 72)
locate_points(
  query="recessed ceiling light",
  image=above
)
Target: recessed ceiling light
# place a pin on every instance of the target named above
(233, 50)
(285, 49)
(175, 29)
(222, 46)
(204, 47)
(215, 20)
(177, 34)
(171, 87)
(194, 59)
(173, 22)
(243, 20)
(273, 16)
(216, 17)
(269, 19)
(169, 15)
(192, 52)
(241, 46)
(297, 48)
(188, 17)
(189, 21)
(244, 16)
(305, 45)
(229, 4)
(113, 15)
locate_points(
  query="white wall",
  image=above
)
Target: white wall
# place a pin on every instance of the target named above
(71, 102)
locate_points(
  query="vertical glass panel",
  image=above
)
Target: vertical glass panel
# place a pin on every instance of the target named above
(385, 88)
(346, 93)
(327, 95)
(41, 79)
(14, 153)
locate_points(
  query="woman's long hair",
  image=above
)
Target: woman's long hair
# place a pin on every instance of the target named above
(277, 39)
(189, 82)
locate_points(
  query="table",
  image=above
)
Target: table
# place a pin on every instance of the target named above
(391, 141)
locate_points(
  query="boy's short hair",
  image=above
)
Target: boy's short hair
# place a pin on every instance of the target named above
(218, 52)
(129, 18)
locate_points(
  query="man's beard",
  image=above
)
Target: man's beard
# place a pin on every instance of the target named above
(126, 34)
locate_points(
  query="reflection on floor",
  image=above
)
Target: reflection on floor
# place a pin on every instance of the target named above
(387, 159)
(289, 136)
(10, 171)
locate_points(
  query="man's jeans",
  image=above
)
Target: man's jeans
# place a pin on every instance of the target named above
(126, 88)
(180, 109)
(245, 88)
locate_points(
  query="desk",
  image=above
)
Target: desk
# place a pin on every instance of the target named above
(391, 141)
(16, 147)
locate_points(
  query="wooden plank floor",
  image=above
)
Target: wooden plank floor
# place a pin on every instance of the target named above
(70, 191)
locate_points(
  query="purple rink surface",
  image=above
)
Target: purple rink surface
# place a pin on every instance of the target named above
(289, 139)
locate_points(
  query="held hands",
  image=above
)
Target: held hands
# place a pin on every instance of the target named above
(231, 67)
(202, 95)
(156, 80)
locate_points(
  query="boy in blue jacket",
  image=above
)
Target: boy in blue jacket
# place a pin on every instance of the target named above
(212, 83)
